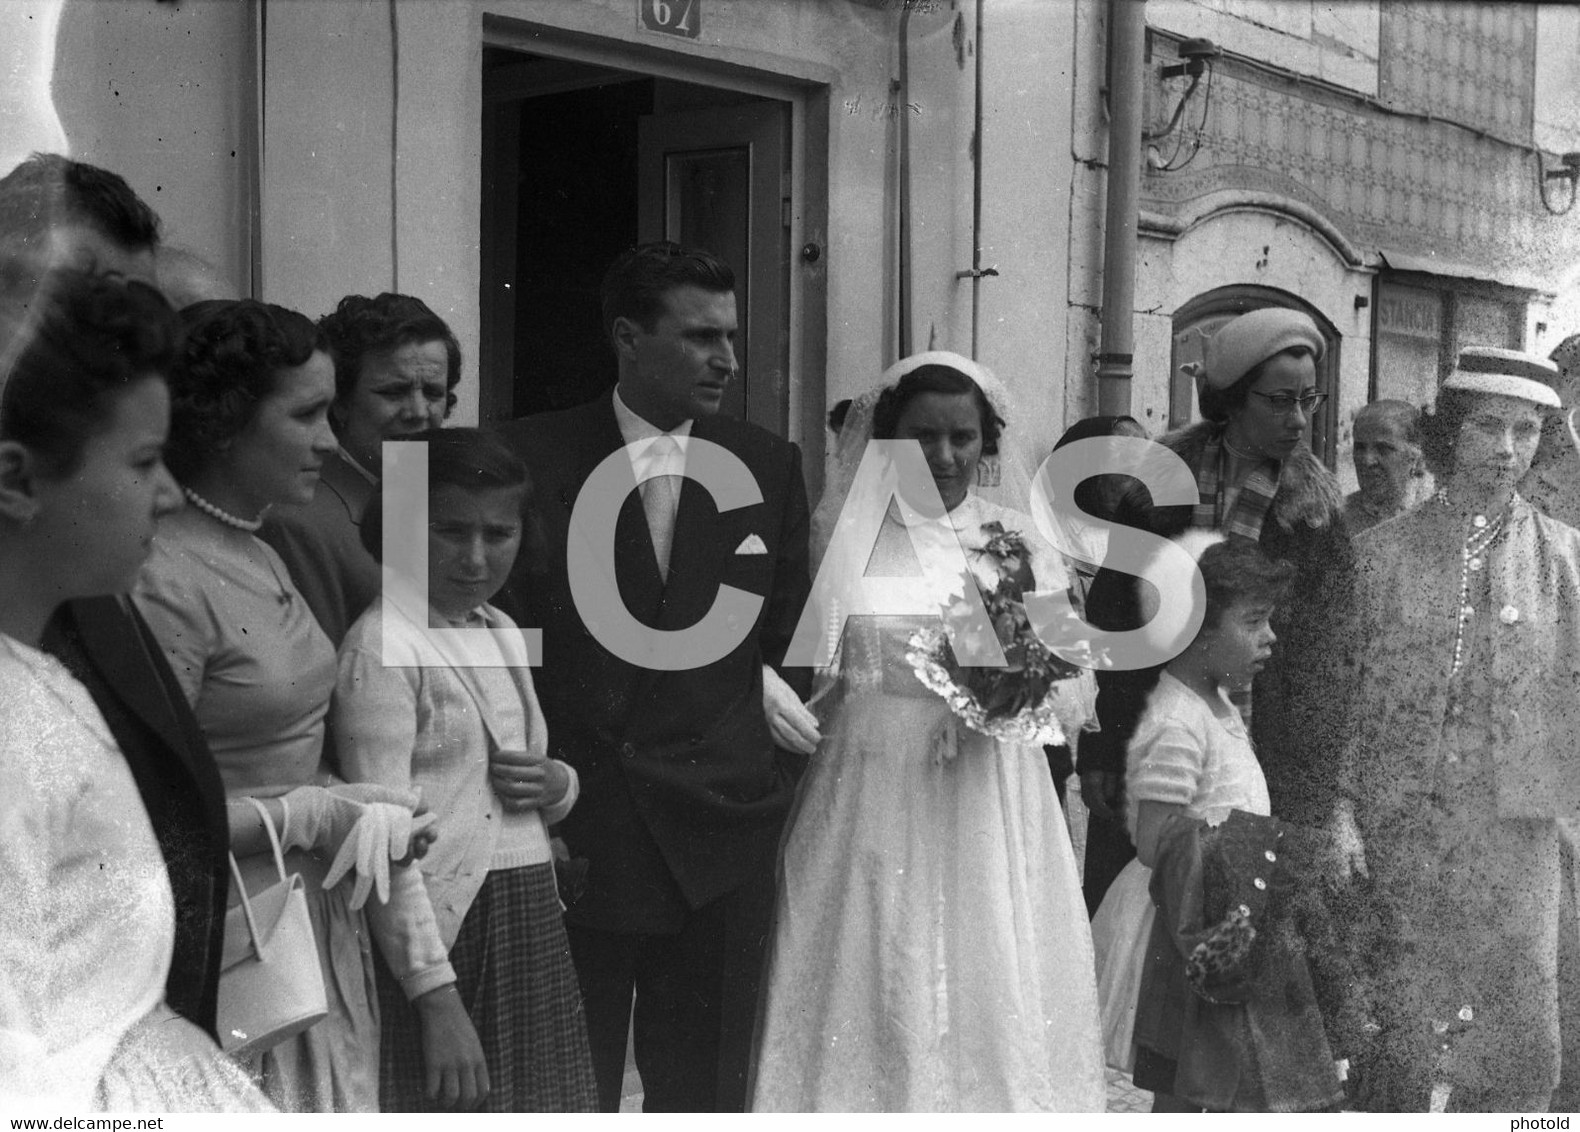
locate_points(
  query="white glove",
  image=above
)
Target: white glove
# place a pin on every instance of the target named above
(364, 825)
(791, 723)
(381, 835)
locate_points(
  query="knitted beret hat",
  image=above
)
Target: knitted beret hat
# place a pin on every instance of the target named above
(1244, 342)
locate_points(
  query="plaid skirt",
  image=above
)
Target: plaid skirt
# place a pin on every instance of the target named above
(513, 971)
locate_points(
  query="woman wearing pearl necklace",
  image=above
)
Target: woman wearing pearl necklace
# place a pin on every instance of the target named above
(1464, 765)
(250, 396)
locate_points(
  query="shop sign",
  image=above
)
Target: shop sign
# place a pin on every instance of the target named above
(671, 17)
(1410, 314)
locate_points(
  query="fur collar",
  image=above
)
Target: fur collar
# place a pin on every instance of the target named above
(1308, 494)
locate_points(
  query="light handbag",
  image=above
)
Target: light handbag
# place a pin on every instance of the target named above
(271, 986)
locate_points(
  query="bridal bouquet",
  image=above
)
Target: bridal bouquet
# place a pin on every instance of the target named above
(1017, 703)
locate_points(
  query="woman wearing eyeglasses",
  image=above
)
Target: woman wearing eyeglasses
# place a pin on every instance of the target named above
(1256, 476)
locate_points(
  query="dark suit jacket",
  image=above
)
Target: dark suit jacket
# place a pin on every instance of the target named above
(107, 645)
(683, 792)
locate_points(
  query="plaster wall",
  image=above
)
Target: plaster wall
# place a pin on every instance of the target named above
(1337, 43)
(1558, 77)
(333, 223)
(161, 94)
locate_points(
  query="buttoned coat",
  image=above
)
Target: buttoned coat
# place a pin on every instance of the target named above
(1410, 571)
(1250, 1037)
(683, 792)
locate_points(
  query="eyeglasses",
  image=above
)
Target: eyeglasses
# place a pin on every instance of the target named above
(1284, 403)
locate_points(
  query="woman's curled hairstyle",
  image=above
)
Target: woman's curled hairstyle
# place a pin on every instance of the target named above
(228, 366)
(90, 338)
(359, 326)
(934, 378)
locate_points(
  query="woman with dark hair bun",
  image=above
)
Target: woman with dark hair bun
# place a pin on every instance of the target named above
(88, 929)
(249, 429)
(396, 368)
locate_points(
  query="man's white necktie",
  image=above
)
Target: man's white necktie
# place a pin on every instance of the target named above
(660, 494)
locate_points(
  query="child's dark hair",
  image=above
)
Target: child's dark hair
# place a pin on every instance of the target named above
(468, 458)
(1237, 571)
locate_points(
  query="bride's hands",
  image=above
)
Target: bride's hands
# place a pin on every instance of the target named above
(791, 723)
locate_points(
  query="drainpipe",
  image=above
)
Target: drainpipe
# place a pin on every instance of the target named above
(900, 92)
(1127, 26)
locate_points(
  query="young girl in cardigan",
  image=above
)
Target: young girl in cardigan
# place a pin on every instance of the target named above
(1217, 1023)
(478, 996)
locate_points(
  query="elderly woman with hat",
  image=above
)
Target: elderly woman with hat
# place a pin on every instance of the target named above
(1465, 746)
(1257, 477)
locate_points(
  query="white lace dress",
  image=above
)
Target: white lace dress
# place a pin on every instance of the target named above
(88, 921)
(931, 951)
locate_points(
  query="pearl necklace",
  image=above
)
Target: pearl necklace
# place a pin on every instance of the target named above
(1483, 533)
(203, 505)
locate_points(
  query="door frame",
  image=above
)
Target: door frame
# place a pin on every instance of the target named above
(807, 94)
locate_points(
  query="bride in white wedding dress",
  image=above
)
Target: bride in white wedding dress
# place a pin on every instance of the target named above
(931, 951)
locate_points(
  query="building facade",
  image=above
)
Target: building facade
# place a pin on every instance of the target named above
(887, 175)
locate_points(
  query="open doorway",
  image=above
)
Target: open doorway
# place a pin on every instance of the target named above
(581, 162)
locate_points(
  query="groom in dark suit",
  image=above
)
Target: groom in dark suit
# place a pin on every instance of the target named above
(687, 773)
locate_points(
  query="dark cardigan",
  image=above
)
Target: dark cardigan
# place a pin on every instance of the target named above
(1303, 698)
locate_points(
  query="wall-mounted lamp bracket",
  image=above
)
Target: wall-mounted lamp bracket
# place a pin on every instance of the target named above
(1568, 170)
(1197, 57)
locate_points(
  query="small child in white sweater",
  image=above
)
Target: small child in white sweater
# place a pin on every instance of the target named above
(1190, 754)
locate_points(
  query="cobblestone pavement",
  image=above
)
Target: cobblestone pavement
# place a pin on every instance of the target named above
(1122, 1095)
(1125, 1097)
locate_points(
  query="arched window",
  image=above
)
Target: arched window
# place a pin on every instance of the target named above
(1207, 312)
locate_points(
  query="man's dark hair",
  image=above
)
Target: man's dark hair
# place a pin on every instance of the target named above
(50, 191)
(93, 337)
(1238, 571)
(636, 283)
(359, 326)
